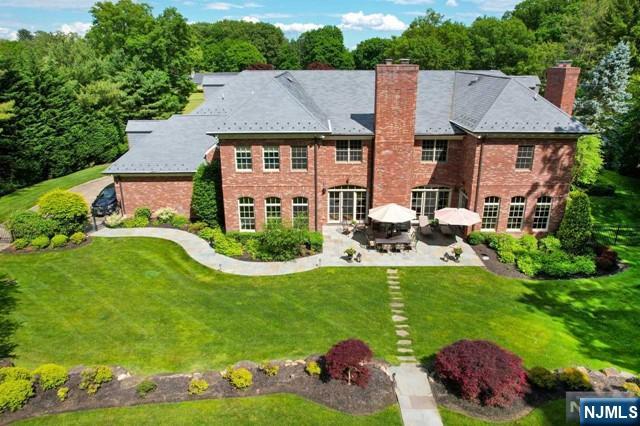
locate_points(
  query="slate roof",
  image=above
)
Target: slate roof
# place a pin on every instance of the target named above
(336, 103)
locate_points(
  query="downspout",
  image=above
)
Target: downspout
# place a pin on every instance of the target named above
(479, 173)
(315, 183)
(119, 182)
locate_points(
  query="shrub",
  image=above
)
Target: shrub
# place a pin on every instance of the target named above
(241, 378)
(59, 240)
(632, 388)
(252, 247)
(481, 371)
(14, 394)
(559, 264)
(476, 237)
(165, 215)
(30, 225)
(198, 386)
(93, 378)
(143, 212)
(528, 243)
(196, 227)
(315, 241)
(8, 374)
(529, 264)
(114, 220)
(226, 246)
(588, 160)
(63, 393)
(270, 369)
(506, 257)
(542, 378)
(549, 243)
(145, 387)
(135, 222)
(280, 243)
(575, 379)
(347, 360)
(21, 243)
(607, 259)
(78, 238)
(575, 229)
(313, 368)
(178, 221)
(51, 375)
(207, 234)
(67, 209)
(41, 242)
(206, 194)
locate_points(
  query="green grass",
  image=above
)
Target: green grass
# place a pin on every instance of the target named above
(624, 208)
(195, 99)
(550, 414)
(263, 410)
(144, 304)
(25, 198)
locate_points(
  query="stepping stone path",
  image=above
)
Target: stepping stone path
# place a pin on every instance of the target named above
(417, 404)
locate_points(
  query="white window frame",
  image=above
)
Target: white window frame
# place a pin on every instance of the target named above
(462, 195)
(251, 218)
(341, 190)
(521, 206)
(350, 151)
(528, 159)
(422, 192)
(271, 149)
(492, 204)
(431, 151)
(243, 149)
(306, 158)
(296, 202)
(272, 202)
(547, 205)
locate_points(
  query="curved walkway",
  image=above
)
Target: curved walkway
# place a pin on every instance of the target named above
(202, 253)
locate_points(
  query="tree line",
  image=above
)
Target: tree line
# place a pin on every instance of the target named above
(64, 99)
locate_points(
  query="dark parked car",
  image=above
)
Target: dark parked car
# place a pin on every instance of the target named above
(106, 202)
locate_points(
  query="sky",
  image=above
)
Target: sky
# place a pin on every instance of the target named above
(358, 19)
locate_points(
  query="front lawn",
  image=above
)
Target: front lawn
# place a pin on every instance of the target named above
(25, 198)
(263, 410)
(144, 304)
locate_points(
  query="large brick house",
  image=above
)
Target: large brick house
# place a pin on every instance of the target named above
(329, 145)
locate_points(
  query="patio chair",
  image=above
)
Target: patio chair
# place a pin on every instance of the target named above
(371, 239)
(446, 230)
(425, 226)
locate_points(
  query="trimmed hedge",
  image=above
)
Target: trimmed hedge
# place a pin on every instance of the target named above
(67, 209)
(576, 226)
(59, 240)
(206, 194)
(41, 242)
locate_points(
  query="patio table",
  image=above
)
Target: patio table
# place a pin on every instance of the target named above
(400, 239)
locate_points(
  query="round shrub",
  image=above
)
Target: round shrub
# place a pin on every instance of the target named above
(14, 394)
(21, 244)
(270, 369)
(241, 378)
(14, 373)
(178, 221)
(575, 379)
(62, 393)
(114, 220)
(145, 387)
(41, 242)
(476, 237)
(78, 238)
(313, 368)
(165, 215)
(59, 240)
(67, 209)
(347, 361)
(482, 372)
(135, 222)
(529, 264)
(30, 225)
(198, 386)
(143, 212)
(51, 375)
(528, 242)
(280, 243)
(549, 243)
(542, 378)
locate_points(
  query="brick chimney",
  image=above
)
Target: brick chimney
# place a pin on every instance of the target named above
(562, 82)
(395, 116)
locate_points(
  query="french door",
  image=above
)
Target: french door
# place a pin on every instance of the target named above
(347, 203)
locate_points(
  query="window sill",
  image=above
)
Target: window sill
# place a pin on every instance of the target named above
(349, 162)
(487, 230)
(523, 170)
(299, 170)
(270, 170)
(514, 230)
(244, 170)
(432, 162)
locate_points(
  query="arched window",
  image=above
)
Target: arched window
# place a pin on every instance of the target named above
(490, 213)
(247, 214)
(300, 212)
(541, 213)
(425, 200)
(273, 210)
(347, 203)
(516, 214)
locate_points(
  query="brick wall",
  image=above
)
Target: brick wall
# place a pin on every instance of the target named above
(154, 192)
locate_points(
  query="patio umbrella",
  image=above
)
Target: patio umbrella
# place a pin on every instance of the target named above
(453, 216)
(392, 213)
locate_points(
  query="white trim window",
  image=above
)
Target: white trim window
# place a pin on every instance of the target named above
(542, 213)
(349, 151)
(524, 157)
(299, 157)
(434, 151)
(425, 200)
(516, 213)
(272, 210)
(490, 213)
(463, 200)
(347, 203)
(246, 214)
(243, 158)
(300, 212)
(271, 157)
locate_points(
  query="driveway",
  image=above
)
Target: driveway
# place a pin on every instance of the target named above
(90, 190)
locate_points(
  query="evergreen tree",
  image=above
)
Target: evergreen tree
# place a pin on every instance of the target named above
(576, 226)
(206, 201)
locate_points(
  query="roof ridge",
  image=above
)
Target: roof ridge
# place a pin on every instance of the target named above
(306, 95)
(492, 104)
(549, 102)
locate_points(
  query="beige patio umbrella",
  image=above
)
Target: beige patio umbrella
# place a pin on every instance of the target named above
(392, 213)
(453, 216)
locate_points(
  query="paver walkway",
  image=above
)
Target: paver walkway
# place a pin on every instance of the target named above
(417, 404)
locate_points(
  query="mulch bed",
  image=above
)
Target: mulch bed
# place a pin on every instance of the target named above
(69, 246)
(291, 378)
